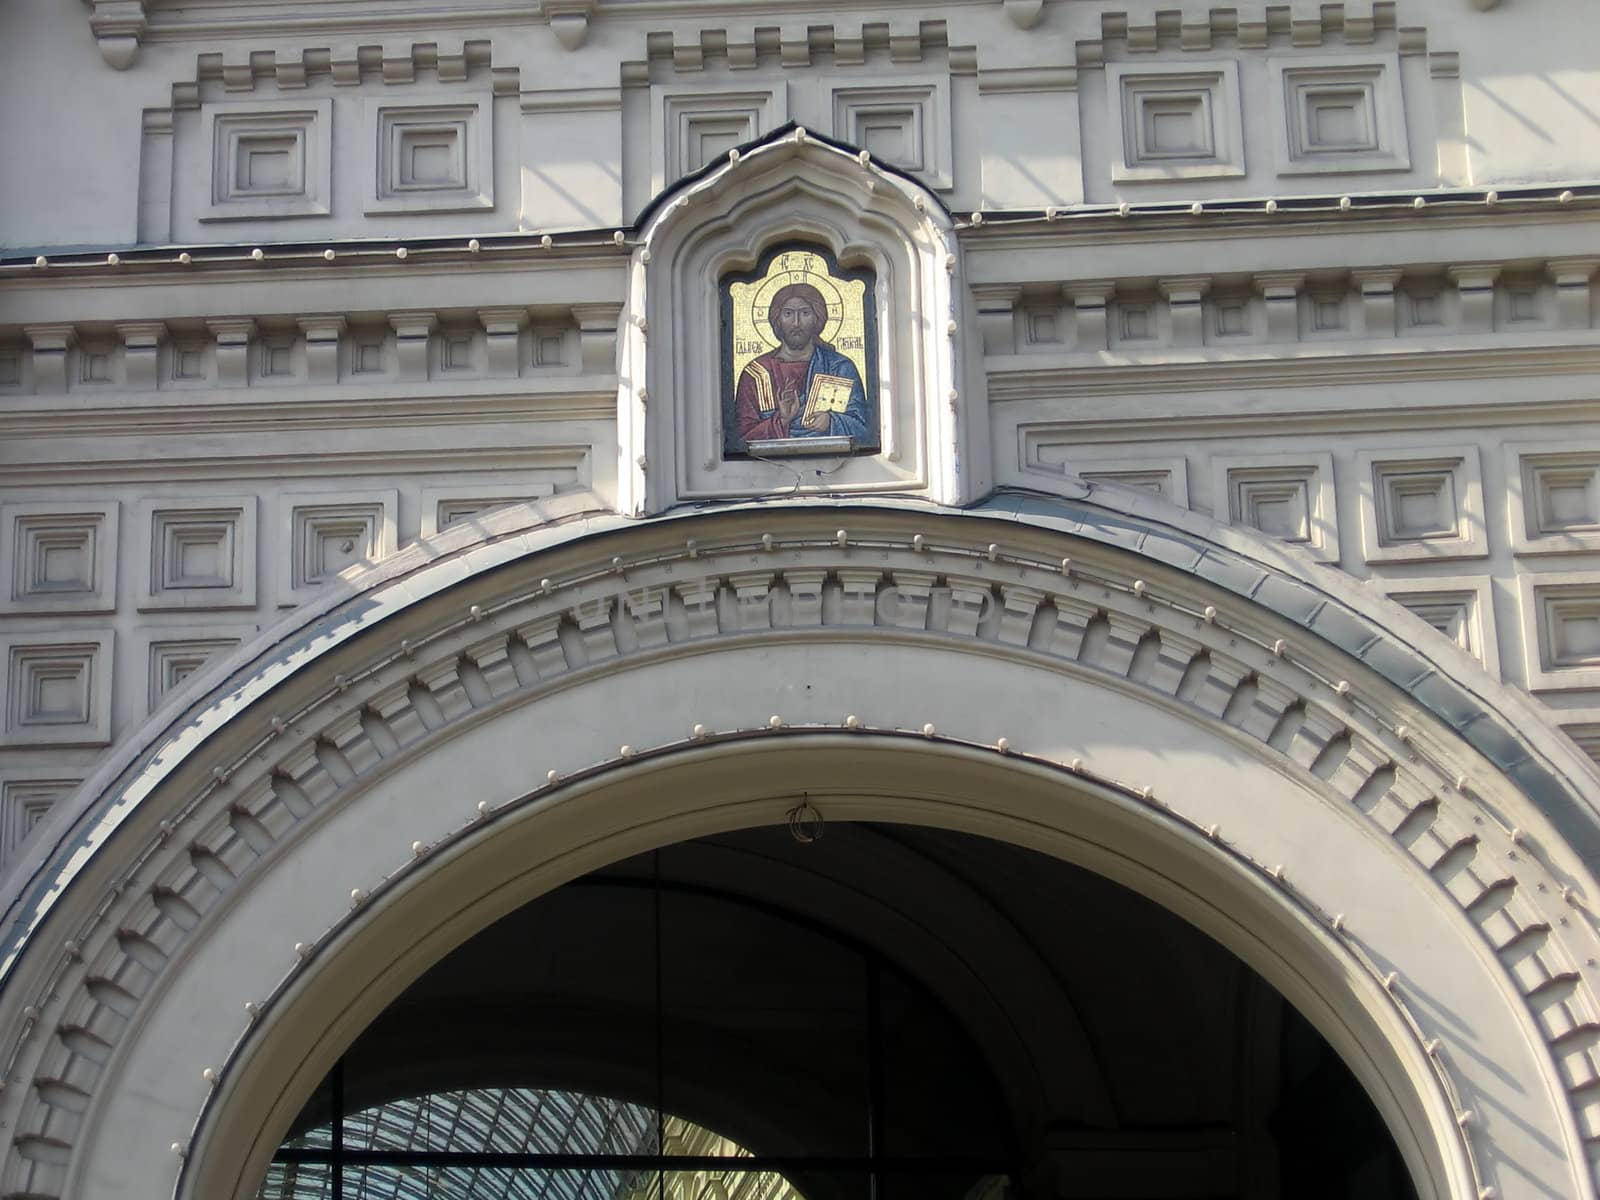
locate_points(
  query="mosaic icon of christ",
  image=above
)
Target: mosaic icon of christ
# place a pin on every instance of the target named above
(803, 387)
(800, 340)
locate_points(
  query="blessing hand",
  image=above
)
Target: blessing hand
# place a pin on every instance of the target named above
(788, 405)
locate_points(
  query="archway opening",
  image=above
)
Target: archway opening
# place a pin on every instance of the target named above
(884, 1011)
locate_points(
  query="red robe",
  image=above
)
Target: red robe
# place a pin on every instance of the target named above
(755, 402)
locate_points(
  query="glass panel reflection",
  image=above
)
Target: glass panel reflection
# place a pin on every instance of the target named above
(415, 1147)
(525, 1120)
(297, 1181)
(489, 1183)
(744, 1185)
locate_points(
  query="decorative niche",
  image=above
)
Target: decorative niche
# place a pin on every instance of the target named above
(1288, 498)
(269, 159)
(200, 553)
(1561, 628)
(1417, 509)
(433, 156)
(1554, 494)
(58, 557)
(1338, 114)
(830, 376)
(906, 124)
(695, 126)
(706, 408)
(57, 689)
(1175, 121)
(327, 533)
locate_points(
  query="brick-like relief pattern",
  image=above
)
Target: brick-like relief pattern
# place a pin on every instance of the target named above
(278, 351)
(1279, 309)
(1088, 618)
(1274, 26)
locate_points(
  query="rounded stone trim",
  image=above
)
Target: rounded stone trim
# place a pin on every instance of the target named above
(326, 717)
(645, 763)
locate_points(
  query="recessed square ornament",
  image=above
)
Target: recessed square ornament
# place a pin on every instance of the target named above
(1427, 507)
(26, 797)
(445, 507)
(799, 357)
(1560, 629)
(1553, 489)
(58, 558)
(905, 124)
(1458, 606)
(174, 660)
(432, 157)
(1339, 113)
(58, 690)
(1288, 497)
(269, 159)
(1175, 121)
(201, 552)
(328, 533)
(692, 126)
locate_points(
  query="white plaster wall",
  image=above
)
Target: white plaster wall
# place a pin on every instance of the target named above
(1492, 99)
(1531, 92)
(70, 139)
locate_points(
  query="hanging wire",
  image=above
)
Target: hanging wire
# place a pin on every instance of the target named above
(661, 1031)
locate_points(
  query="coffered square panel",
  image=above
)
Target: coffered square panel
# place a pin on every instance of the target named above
(1174, 121)
(198, 553)
(1338, 113)
(58, 556)
(1553, 497)
(435, 155)
(58, 689)
(324, 534)
(1419, 508)
(1288, 497)
(269, 159)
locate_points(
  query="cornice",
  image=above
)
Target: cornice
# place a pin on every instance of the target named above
(171, 22)
(1021, 377)
(1144, 32)
(1176, 422)
(1073, 227)
(257, 409)
(122, 26)
(237, 262)
(104, 469)
(1354, 213)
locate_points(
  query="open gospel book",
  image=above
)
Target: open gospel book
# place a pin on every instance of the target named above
(828, 394)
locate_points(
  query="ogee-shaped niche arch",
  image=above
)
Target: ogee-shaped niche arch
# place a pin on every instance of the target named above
(795, 188)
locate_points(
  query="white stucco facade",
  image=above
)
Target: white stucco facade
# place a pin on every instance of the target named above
(373, 557)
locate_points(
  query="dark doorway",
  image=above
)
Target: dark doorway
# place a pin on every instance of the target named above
(887, 1012)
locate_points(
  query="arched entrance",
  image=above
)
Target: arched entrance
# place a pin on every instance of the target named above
(1250, 750)
(857, 1010)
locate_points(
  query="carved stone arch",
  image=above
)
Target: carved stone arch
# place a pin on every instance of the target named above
(793, 186)
(1395, 844)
